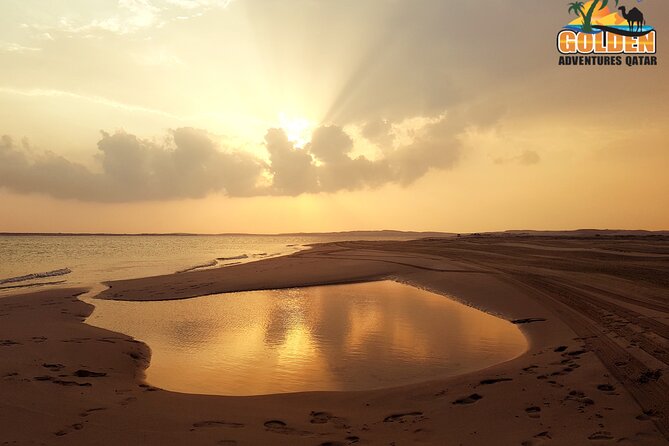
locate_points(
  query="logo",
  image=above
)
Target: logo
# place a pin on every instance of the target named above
(603, 34)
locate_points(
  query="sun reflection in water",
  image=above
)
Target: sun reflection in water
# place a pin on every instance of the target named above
(343, 337)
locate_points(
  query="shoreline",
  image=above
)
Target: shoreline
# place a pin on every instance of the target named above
(549, 392)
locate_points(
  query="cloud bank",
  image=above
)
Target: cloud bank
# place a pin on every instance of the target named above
(191, 164)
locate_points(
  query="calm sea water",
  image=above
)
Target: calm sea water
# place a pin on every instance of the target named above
(341, 337)
(85, 260)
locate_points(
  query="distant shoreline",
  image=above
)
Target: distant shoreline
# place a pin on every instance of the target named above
(510, 232)
(237, 234)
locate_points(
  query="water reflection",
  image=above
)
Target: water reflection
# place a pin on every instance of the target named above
(344, 337)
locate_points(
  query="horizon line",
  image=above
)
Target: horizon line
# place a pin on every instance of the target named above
(373, 231)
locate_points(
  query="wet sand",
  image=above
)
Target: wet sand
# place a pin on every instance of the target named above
(594, 309)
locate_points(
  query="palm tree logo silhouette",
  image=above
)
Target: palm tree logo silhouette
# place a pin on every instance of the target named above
(577, 8)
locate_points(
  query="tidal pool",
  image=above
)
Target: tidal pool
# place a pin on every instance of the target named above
(339, 337)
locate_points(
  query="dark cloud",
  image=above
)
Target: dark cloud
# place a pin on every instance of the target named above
(47, 173)
(292, 169)
(330, 144)
(190, 164)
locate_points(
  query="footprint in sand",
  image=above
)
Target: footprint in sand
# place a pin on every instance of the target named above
(486, 382)
(218, 423)
(606, 387)
(471, 399)
(136, 356)
(326, 417)
(601, 435)
(87, 412)
(580, 397)
(128, 400)
(533, 411)
(530, 368)
(78, 340)
(649, 375)
(320, 417)
(538, 439)
(53, 367)
(281, 427)
(403, 417)
(70, 383)
(60, 381)
(348, 441)
(43, 378)
(647, 415)
(67, 430)
(83, 373)
(576, 353)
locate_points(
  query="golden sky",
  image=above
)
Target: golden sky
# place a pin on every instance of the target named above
(308, 115)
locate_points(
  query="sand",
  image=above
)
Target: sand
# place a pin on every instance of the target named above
(595, 310)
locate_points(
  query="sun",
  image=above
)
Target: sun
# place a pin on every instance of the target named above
(298, 130)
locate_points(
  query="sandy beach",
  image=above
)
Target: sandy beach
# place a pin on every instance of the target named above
(594, 309)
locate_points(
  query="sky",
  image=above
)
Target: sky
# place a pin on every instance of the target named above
(269, 116)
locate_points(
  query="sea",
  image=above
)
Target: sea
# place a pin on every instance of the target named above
(28, 262)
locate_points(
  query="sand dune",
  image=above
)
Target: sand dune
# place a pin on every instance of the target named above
(595, 310)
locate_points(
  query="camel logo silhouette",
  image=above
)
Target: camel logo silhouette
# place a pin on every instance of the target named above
(634, 19)
(606, 34)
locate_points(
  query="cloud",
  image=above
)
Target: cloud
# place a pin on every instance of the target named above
(330, 144)
(131, 16)
(131, 169)
(196, 4)
(189, 163)
(326, 165)
(292, 169)
(15, 48)
(52, 93)
(379, 132)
